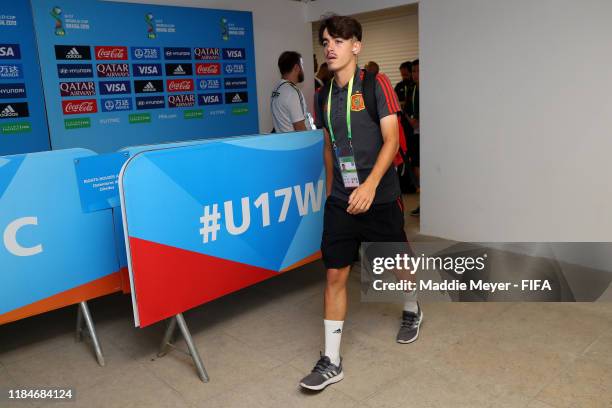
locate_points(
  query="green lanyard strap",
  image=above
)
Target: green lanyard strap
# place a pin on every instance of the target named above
(348, 112)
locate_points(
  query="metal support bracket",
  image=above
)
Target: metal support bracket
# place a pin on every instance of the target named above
(85, 325)
(167, 344)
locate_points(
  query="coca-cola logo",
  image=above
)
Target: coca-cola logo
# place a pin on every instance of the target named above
(208, 69)
(180, 85)
(111, 53)
(79, 107)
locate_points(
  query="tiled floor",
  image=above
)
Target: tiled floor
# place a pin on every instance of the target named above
(259, 342)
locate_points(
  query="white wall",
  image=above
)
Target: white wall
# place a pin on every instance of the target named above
(279, 25)
(516, 111)
(347, 7)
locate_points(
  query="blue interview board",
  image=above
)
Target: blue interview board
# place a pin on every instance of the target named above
(204, 219)
(23, 124)
(124, 74)
(51, 251)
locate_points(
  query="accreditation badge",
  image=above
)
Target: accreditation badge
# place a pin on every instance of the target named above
(348, 168)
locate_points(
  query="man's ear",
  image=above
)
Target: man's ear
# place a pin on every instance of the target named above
(356, 47)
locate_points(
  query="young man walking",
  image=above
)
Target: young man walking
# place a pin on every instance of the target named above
(363, 203)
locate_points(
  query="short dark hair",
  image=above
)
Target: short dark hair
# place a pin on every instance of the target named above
(415, 62)
(340, 27)
(406, 65)
(287, 61)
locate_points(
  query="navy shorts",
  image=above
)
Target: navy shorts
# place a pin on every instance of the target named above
(343, 233)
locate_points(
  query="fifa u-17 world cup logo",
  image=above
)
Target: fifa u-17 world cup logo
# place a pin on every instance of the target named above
(56, 12)
(224, 29)
(151, 28)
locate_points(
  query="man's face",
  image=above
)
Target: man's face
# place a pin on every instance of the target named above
(415, 73)
(338, 51)
(299, 69)
(405, 74)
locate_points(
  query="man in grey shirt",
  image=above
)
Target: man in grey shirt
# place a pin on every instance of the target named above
(288, 105)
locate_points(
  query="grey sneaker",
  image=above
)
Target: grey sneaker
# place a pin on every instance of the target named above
(409, 328)
(323, 374)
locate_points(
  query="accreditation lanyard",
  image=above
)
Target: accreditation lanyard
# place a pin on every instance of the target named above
(346, 161)
(348, 114)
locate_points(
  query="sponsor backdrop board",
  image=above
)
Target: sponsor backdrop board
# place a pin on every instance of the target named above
(23, 125)
(52, 253)
(118, 74)
(224, 226)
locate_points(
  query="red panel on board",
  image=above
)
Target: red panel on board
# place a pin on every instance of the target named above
(178, 280)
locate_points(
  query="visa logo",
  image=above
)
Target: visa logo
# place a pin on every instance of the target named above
(233, 53)
(10, 51)
(115, 87)
(210, 99)
(109, 88)
(147, 69)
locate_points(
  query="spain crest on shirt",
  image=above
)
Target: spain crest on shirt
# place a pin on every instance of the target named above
(357, 103)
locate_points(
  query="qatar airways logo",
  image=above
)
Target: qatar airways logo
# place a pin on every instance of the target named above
(111, 53)
(77, 88)
(181, 101)
(179, 85)
(79, 107)
(113, 70)
(209, 68)
(207, 53)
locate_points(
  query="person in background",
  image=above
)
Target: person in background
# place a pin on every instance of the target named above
(372, 67)
(322, 76)
(405, 85)
(411, 111)
(288, 105)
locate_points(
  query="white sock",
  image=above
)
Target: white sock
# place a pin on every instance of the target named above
(333, 335)
(410, 302)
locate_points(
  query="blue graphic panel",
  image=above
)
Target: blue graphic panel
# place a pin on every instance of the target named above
(132, 50)
(50, 245)
(23, 124)
(256, 200)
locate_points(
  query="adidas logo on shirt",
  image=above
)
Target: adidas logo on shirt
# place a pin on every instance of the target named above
(8, 112)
